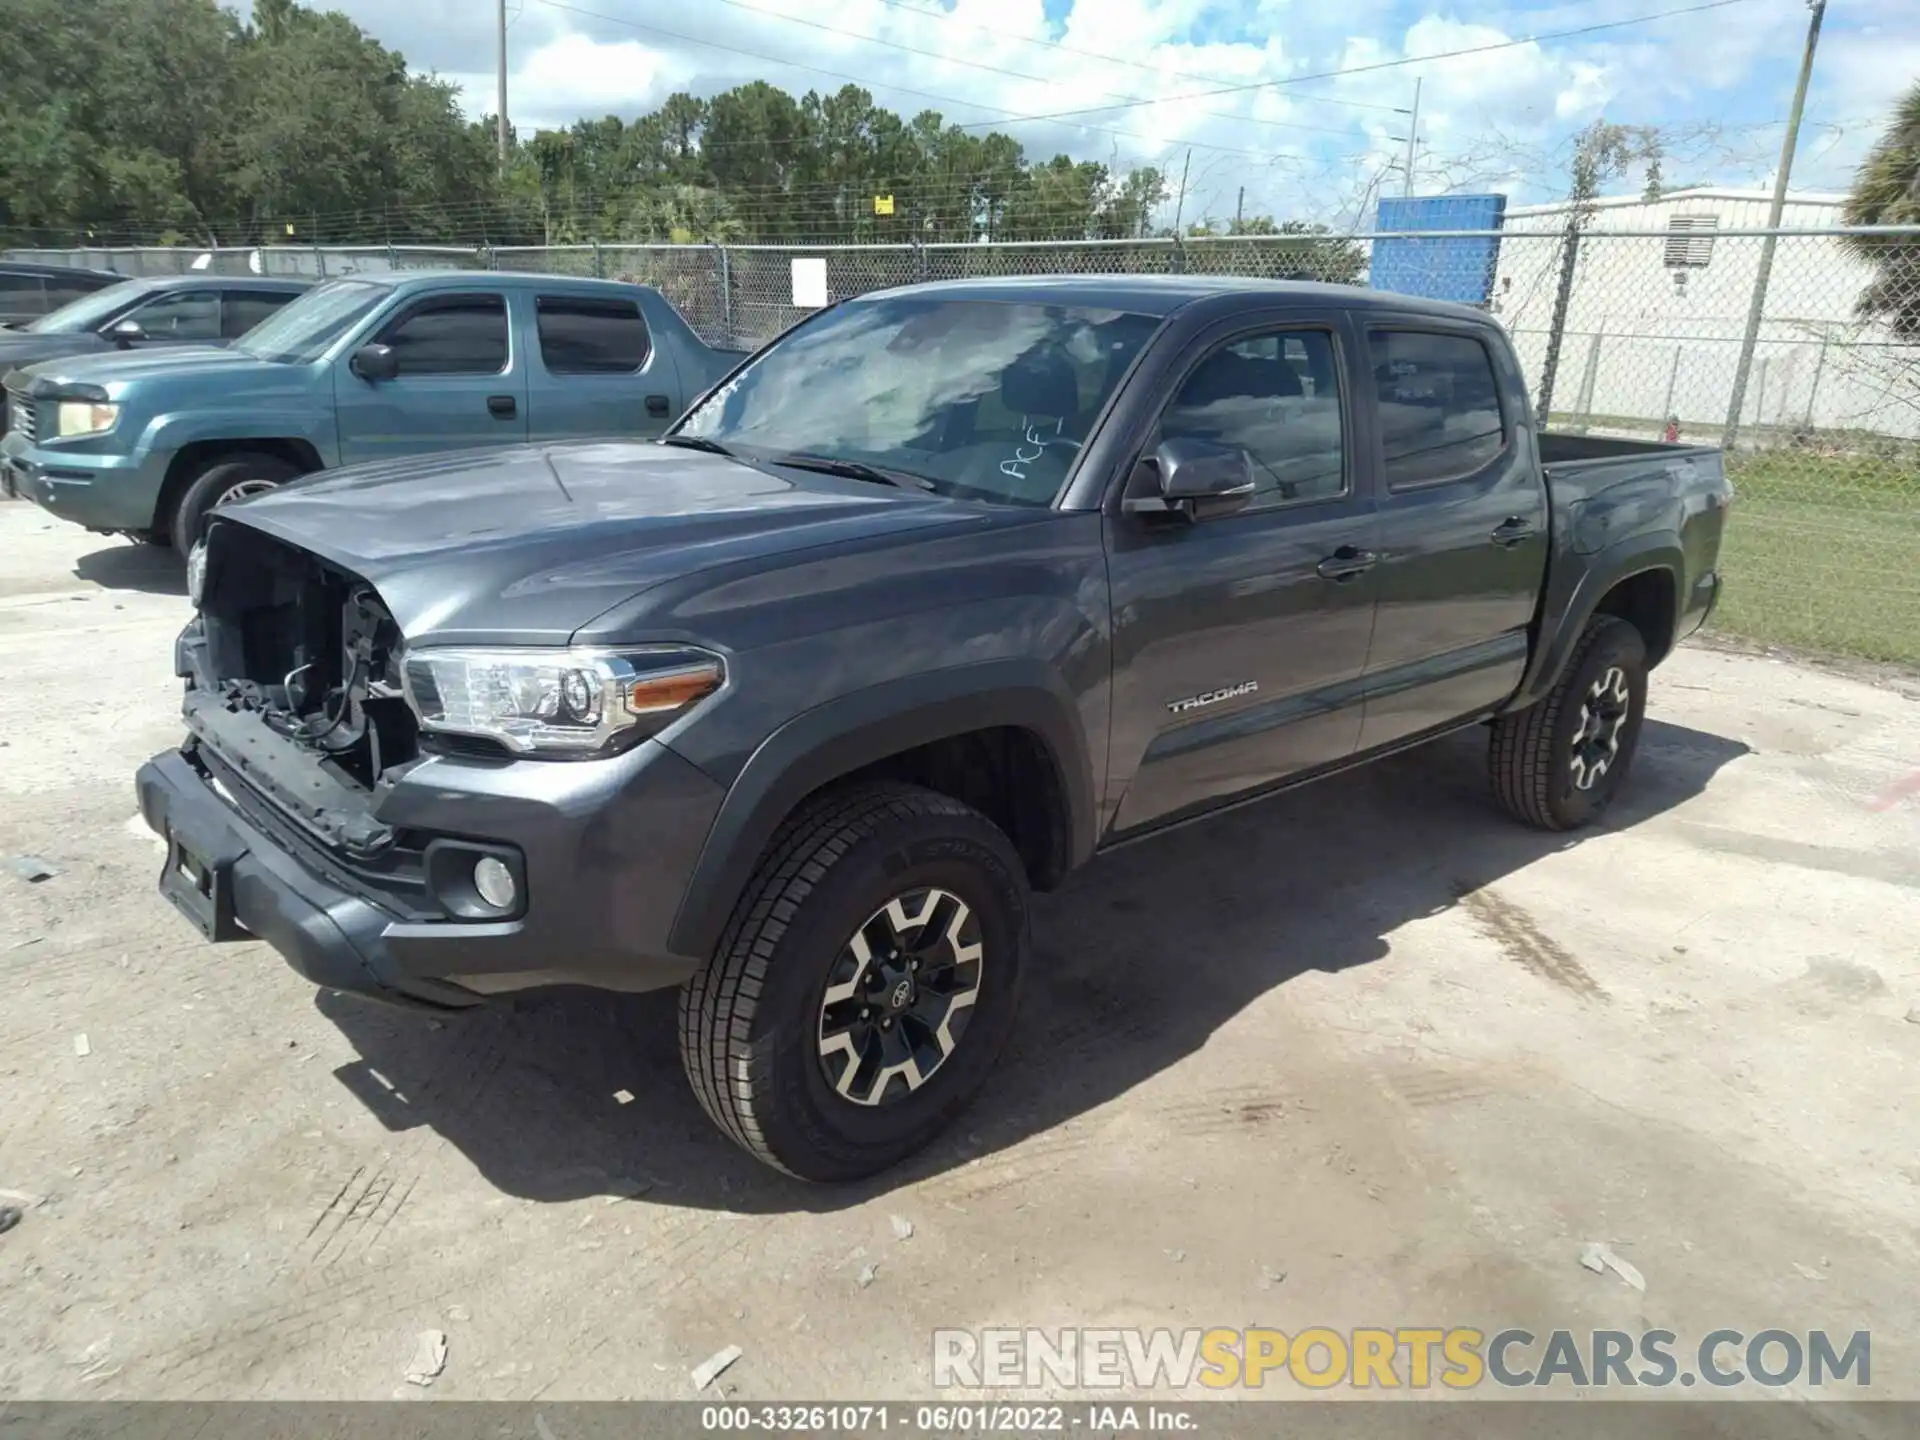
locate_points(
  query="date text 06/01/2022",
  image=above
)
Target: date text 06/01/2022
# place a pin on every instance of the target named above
(944, 1419)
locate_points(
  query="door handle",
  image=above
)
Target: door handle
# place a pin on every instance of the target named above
(1345, 563)
(503, 406)
(659, 405)
(1512, 530)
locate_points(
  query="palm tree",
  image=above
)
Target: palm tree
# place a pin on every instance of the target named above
(1887, 192)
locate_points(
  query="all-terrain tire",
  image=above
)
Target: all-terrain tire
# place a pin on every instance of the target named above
(213, 485)
(1558, 763)
(755, 1022)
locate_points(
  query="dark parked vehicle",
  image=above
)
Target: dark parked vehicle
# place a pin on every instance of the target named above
(29, 290)
(943, 593)
(141, 314)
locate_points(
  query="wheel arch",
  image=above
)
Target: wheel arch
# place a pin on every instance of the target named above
(1637, 580)
(194, 459)
(918, 729)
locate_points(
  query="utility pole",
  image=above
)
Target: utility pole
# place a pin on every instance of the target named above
(1180, 205)
(502, 12)
(1413, 135)
(1765, 272)
(1239, 209)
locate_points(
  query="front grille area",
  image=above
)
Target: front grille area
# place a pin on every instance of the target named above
(21, 417)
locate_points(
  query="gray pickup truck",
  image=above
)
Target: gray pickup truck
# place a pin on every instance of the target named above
(945, 592)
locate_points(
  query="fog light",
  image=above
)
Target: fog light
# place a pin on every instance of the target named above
(493, 882)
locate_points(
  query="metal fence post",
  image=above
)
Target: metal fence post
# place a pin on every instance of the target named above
(723, 269)
(1557, 326)
(599, 270)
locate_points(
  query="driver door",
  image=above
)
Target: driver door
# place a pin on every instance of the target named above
(1240, 641)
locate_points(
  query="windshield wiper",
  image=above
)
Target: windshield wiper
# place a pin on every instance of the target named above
(697, 442)
(854, 470)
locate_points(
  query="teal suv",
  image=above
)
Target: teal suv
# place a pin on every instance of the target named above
(361, 369)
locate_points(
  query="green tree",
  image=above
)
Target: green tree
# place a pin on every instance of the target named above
(1886, 191)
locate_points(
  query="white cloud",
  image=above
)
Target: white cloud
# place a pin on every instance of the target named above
(1504, 116)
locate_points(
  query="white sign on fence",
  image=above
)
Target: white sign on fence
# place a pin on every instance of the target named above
(810, 282)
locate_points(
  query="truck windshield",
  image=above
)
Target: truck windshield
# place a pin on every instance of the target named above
(89, 312)
(303, 330)
(979, 398)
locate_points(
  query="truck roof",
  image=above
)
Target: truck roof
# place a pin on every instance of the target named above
(518, 279)
(1163, 294)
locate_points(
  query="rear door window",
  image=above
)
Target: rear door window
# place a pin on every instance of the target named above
(1439, 402)
(583, 336)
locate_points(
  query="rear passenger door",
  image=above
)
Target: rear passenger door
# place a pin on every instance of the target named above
(460, 384)
(1463, 526)
(1239, 642)
(599, 373)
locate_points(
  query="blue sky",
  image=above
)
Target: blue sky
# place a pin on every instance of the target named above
(1717, 82)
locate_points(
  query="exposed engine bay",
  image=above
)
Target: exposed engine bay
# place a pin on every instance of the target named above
(288, 642)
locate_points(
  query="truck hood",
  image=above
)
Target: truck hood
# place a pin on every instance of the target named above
(526, 545)
(21, 348)
(120, 367)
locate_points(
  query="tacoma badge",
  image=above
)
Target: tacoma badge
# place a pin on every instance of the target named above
(1213, 697)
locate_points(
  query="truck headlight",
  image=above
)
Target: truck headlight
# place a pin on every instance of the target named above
(573, 703)
(197, 572)
(84, 417)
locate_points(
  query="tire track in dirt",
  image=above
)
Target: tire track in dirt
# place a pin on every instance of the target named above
(1522, 941)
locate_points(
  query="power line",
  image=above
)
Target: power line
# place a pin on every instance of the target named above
(1378, 65)
(999, 69)
(1004, 116)
(1061, 45)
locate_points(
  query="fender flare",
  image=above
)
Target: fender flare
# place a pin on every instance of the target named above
(1635, 555)
(855, 730)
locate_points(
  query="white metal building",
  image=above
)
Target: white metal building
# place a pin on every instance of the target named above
(1659, 305)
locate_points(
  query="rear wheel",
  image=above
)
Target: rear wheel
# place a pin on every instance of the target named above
(227, 479)
(865, 985)
(1558, 763)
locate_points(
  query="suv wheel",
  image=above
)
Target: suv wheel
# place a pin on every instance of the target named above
(1558, 763)
(230, 478)
(865, 985)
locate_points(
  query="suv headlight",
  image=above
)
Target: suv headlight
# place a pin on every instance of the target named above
(84, 417)
(573, 704)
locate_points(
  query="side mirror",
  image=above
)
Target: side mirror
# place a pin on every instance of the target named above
(374, 363)
(1194, 479)
(126, 332)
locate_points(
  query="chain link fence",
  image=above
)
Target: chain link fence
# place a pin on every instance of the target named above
(1813, 383)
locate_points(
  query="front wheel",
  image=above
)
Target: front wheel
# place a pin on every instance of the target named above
(1558, 763)
(865, 985)
(230, 478)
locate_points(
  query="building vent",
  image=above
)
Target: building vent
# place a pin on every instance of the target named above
(1690, 241)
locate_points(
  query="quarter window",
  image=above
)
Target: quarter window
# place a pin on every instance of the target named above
(1276, 396)
(1439, 405)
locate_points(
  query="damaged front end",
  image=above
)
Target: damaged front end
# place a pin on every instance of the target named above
(294, 689)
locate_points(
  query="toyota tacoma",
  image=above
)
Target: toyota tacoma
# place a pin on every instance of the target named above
(941, 594)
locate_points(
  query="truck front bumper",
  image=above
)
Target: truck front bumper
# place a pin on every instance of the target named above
(603, 880)
(99, 491)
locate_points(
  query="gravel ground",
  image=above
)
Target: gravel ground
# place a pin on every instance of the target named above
(1365, 1055)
